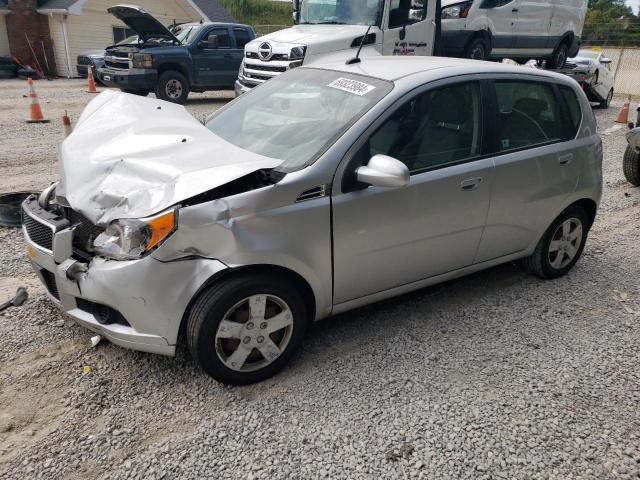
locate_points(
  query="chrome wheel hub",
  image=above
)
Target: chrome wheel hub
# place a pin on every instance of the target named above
(565, 243)
(173, 89)
(254, 333)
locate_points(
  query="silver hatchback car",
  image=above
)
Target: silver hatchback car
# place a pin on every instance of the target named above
(327, 188)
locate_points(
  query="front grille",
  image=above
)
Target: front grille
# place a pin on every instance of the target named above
(84, 232)
(103, 314)
(278, 57)
(83, 60)
(121, 63)
(50, 283)
(38, 233)
(265, 68)
(257, 77)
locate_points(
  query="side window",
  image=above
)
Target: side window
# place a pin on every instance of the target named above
(573, 107)
(242, 37)
(529, 115)
(224, 39)
(401, 13)
(433, 129)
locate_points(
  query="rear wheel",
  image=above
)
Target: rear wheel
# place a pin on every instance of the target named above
(173, 87)
(559, 58)
(631, 166)
(561, 246)
(246, 329)
(477, 50)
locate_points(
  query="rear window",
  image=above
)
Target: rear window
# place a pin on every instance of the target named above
(573, 107)
(529, 115)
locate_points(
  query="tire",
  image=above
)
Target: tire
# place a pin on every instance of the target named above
(477, 49)
(546, 262)
(173, 87)
(559, 57)
(214, 344)
(607, 101)
(631, 166)
(140, 93)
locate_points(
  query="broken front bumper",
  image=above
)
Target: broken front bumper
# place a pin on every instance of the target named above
(136, 304)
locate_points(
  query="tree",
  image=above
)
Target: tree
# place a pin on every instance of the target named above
(611, 22)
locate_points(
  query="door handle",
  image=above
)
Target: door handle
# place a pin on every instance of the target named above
(470, 184)
(515, 10)
(565, 159)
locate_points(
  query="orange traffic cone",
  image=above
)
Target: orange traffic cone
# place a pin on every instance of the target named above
(36, 111)
(66, 125)
(91, 84)
(623, 117)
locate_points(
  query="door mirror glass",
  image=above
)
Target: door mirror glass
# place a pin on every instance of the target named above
(384, 171)
(212, 40)
(416, 16)
(605, 60)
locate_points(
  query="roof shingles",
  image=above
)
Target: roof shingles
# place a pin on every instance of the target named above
(215, 12)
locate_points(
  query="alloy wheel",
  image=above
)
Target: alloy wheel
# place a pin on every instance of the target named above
(565, 243)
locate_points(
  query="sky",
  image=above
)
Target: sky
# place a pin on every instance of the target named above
(635, 4)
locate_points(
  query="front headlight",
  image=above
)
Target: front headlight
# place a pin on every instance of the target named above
(297, 53)
(131, 238)
(459, 10)
(141, 60)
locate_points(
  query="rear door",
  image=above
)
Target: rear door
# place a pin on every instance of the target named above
(407, 30)
(536, 166)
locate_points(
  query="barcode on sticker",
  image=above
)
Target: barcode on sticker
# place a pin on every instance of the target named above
(351, 86)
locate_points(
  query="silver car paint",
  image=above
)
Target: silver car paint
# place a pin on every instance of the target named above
(270, 227)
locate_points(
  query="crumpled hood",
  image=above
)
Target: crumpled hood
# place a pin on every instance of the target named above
(131, 157)
(318, 38)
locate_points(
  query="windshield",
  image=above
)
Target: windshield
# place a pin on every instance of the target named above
(351, 12)
(129, 40)
(588, 54)
(296, 116)
(186, 33)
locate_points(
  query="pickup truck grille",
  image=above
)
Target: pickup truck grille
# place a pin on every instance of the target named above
(256, 71)
(117, 62)
(84, 60)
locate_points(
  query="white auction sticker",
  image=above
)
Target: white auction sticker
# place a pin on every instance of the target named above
(351, 86)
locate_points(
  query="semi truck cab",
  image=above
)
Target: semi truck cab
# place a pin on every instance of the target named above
(326, 27)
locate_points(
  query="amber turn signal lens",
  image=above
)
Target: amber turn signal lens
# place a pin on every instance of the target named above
(160, 227)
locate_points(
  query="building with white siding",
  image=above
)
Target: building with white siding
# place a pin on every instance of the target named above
(60, 30)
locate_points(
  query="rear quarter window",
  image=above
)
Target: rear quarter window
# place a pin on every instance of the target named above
(573, 108)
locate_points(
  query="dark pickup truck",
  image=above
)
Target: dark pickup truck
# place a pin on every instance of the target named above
(195, 58)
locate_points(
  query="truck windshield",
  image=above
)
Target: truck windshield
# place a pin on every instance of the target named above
(187, 33)
(296, 116)
(348, 12)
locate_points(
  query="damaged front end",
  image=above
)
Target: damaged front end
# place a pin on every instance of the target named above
(126, 175)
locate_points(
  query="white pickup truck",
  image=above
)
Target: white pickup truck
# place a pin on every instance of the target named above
(481, 29)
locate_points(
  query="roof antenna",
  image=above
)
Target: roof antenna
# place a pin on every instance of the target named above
(357, 59)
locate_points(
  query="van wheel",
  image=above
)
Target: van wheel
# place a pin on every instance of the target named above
(477, 49)
(246, 329)
(631, 166)
(561, 246)
(559, 58)
(173, 87)
(607, 101)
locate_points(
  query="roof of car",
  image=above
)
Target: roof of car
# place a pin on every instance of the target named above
(393, 68)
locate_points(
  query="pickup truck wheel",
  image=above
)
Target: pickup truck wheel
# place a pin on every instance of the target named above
(245, 329)
(142, 93)
(477, 50)
(173, 87)
(561, 246)
(631, 166)
(607, 101)
(559, 57)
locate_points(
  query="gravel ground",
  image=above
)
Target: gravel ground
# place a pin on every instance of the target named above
(496, 375)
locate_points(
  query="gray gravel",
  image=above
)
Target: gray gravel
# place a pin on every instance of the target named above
(496, 375)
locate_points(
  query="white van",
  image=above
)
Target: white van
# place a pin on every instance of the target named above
(518, 29)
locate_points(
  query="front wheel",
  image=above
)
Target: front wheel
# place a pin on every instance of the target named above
(561, 246)
(607, 101)
(246, 329)
(173, 87)
(477, 50)
(631, 166)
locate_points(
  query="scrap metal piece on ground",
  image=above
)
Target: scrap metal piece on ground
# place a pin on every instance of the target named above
(20, 297)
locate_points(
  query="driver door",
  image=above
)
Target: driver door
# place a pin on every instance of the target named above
(215, 66)
(409, 27)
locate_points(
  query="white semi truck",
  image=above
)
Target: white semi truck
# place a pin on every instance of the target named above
(481, 29)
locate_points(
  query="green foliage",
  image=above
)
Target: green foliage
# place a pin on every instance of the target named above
(611, 22)
(260, 12)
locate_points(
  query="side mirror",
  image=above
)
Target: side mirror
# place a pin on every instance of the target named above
(295, 16)
(296, 5)
(384, 171)
(415, 16)
(210, 42)
(605, 60)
